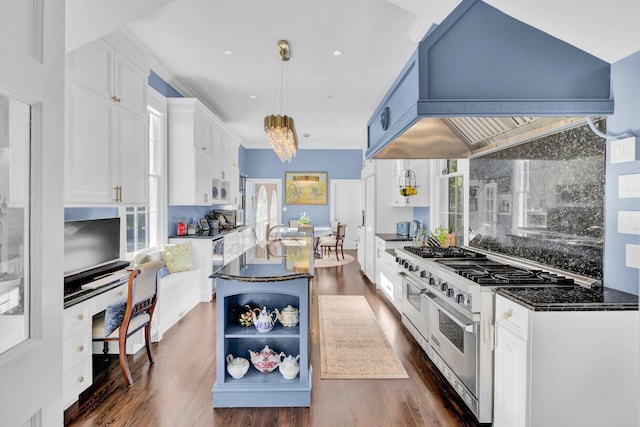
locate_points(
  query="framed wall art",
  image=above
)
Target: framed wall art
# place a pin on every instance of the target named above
(305, 188)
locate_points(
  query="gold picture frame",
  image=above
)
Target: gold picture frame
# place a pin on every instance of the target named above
(305, 188)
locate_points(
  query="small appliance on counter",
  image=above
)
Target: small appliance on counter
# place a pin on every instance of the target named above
(402, 228)
(414, 227)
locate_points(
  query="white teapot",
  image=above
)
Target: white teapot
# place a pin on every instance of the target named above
(289, 367)
(237, 366)
(289, 316)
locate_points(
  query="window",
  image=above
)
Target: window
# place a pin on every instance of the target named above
(450, 203)
(143, 228)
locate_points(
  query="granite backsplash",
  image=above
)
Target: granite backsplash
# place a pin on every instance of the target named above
(543, 201)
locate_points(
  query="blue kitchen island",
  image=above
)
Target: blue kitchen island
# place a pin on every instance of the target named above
(273, 276)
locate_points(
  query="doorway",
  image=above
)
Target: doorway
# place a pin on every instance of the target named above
(346, 208)
(264, 205)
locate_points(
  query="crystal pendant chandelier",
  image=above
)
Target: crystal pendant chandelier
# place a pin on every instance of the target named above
(280, 129)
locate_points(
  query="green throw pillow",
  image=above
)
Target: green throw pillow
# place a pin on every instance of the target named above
(177, 257)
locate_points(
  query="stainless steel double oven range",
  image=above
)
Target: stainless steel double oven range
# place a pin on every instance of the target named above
(448, 305)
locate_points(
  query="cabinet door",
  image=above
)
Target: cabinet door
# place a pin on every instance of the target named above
(510, 399)
(130, 148)
(130, 85)
(203, 180)
(91, 66)
(88, 174)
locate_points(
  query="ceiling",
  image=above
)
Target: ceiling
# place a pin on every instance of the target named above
(330, 97)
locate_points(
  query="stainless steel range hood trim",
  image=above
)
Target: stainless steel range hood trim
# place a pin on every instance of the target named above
(429, 130)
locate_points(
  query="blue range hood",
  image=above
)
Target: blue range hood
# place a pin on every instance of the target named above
(482, 80)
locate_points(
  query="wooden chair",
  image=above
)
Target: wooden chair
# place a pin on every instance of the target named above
(131, 315)
(336, 241)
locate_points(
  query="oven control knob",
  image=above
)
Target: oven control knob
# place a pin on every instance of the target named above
(432, 281)
(460, 299)
(413, 267)
(444, 286)
(423, 274)
(451, 293)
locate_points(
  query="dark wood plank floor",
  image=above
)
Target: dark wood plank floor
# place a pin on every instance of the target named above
(176, 390)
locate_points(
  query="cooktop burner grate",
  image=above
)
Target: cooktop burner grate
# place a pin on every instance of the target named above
(503, 274)
(440, 252)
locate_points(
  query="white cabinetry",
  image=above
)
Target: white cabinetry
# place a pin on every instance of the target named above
(203, 156)
(105, 144)
(76, 353)
(387, 270)
(421, 168)
(77, 346)
(380, 216)
(560, 368)
(191, 166)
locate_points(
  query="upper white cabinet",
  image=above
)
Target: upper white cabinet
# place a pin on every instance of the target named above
(203, 156)
(100, 68)
(421, 168)
(191, 164)
(106, 135)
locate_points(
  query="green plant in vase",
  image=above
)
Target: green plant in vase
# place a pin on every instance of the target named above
(304, 219)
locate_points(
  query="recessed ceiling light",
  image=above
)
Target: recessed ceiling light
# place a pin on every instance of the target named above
(337, 52)
(228, 52)
(252, 96)
(344, 120)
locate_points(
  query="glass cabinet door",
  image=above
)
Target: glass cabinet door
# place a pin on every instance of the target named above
(15, 137)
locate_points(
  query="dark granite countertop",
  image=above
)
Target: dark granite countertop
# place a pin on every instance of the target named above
(213, 233)
(285, 258)
(570, 298)
(389, 237)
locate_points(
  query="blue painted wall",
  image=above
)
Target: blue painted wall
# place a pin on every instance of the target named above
(339, 164)
(625, 83)
(156, 82)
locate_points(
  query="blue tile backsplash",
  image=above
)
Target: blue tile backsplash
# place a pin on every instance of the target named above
(543, 201)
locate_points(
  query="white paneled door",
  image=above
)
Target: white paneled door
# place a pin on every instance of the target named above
(346, 207)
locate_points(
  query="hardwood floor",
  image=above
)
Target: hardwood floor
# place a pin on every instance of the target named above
(176, 390)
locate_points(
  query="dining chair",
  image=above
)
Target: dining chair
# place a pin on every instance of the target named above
(124, 318)
(335, 241)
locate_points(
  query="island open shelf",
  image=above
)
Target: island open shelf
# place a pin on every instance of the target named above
(274, 287)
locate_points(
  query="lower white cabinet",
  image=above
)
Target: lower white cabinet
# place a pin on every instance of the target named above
(565, 368)
(76, 353)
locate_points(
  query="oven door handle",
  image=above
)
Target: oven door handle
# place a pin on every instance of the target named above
(411, 282)
(457, 319)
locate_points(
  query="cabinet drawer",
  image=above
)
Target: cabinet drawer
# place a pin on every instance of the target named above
(111, 296)
(75, 380)
(75, 319)
(76, 349)
(512, 316)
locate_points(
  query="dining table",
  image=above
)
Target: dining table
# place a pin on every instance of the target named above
(318, 232)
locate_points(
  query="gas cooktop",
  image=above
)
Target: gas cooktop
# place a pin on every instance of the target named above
(440, 252)
(485, 272)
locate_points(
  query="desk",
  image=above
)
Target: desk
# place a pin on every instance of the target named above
(77, 332)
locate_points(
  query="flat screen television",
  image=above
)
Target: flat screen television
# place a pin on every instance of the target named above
(90, 244)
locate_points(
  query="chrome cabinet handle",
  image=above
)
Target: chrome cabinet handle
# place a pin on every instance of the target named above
(80, 379)
(80, 316)
(116, 99)
(80, 348)
(506, 315)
